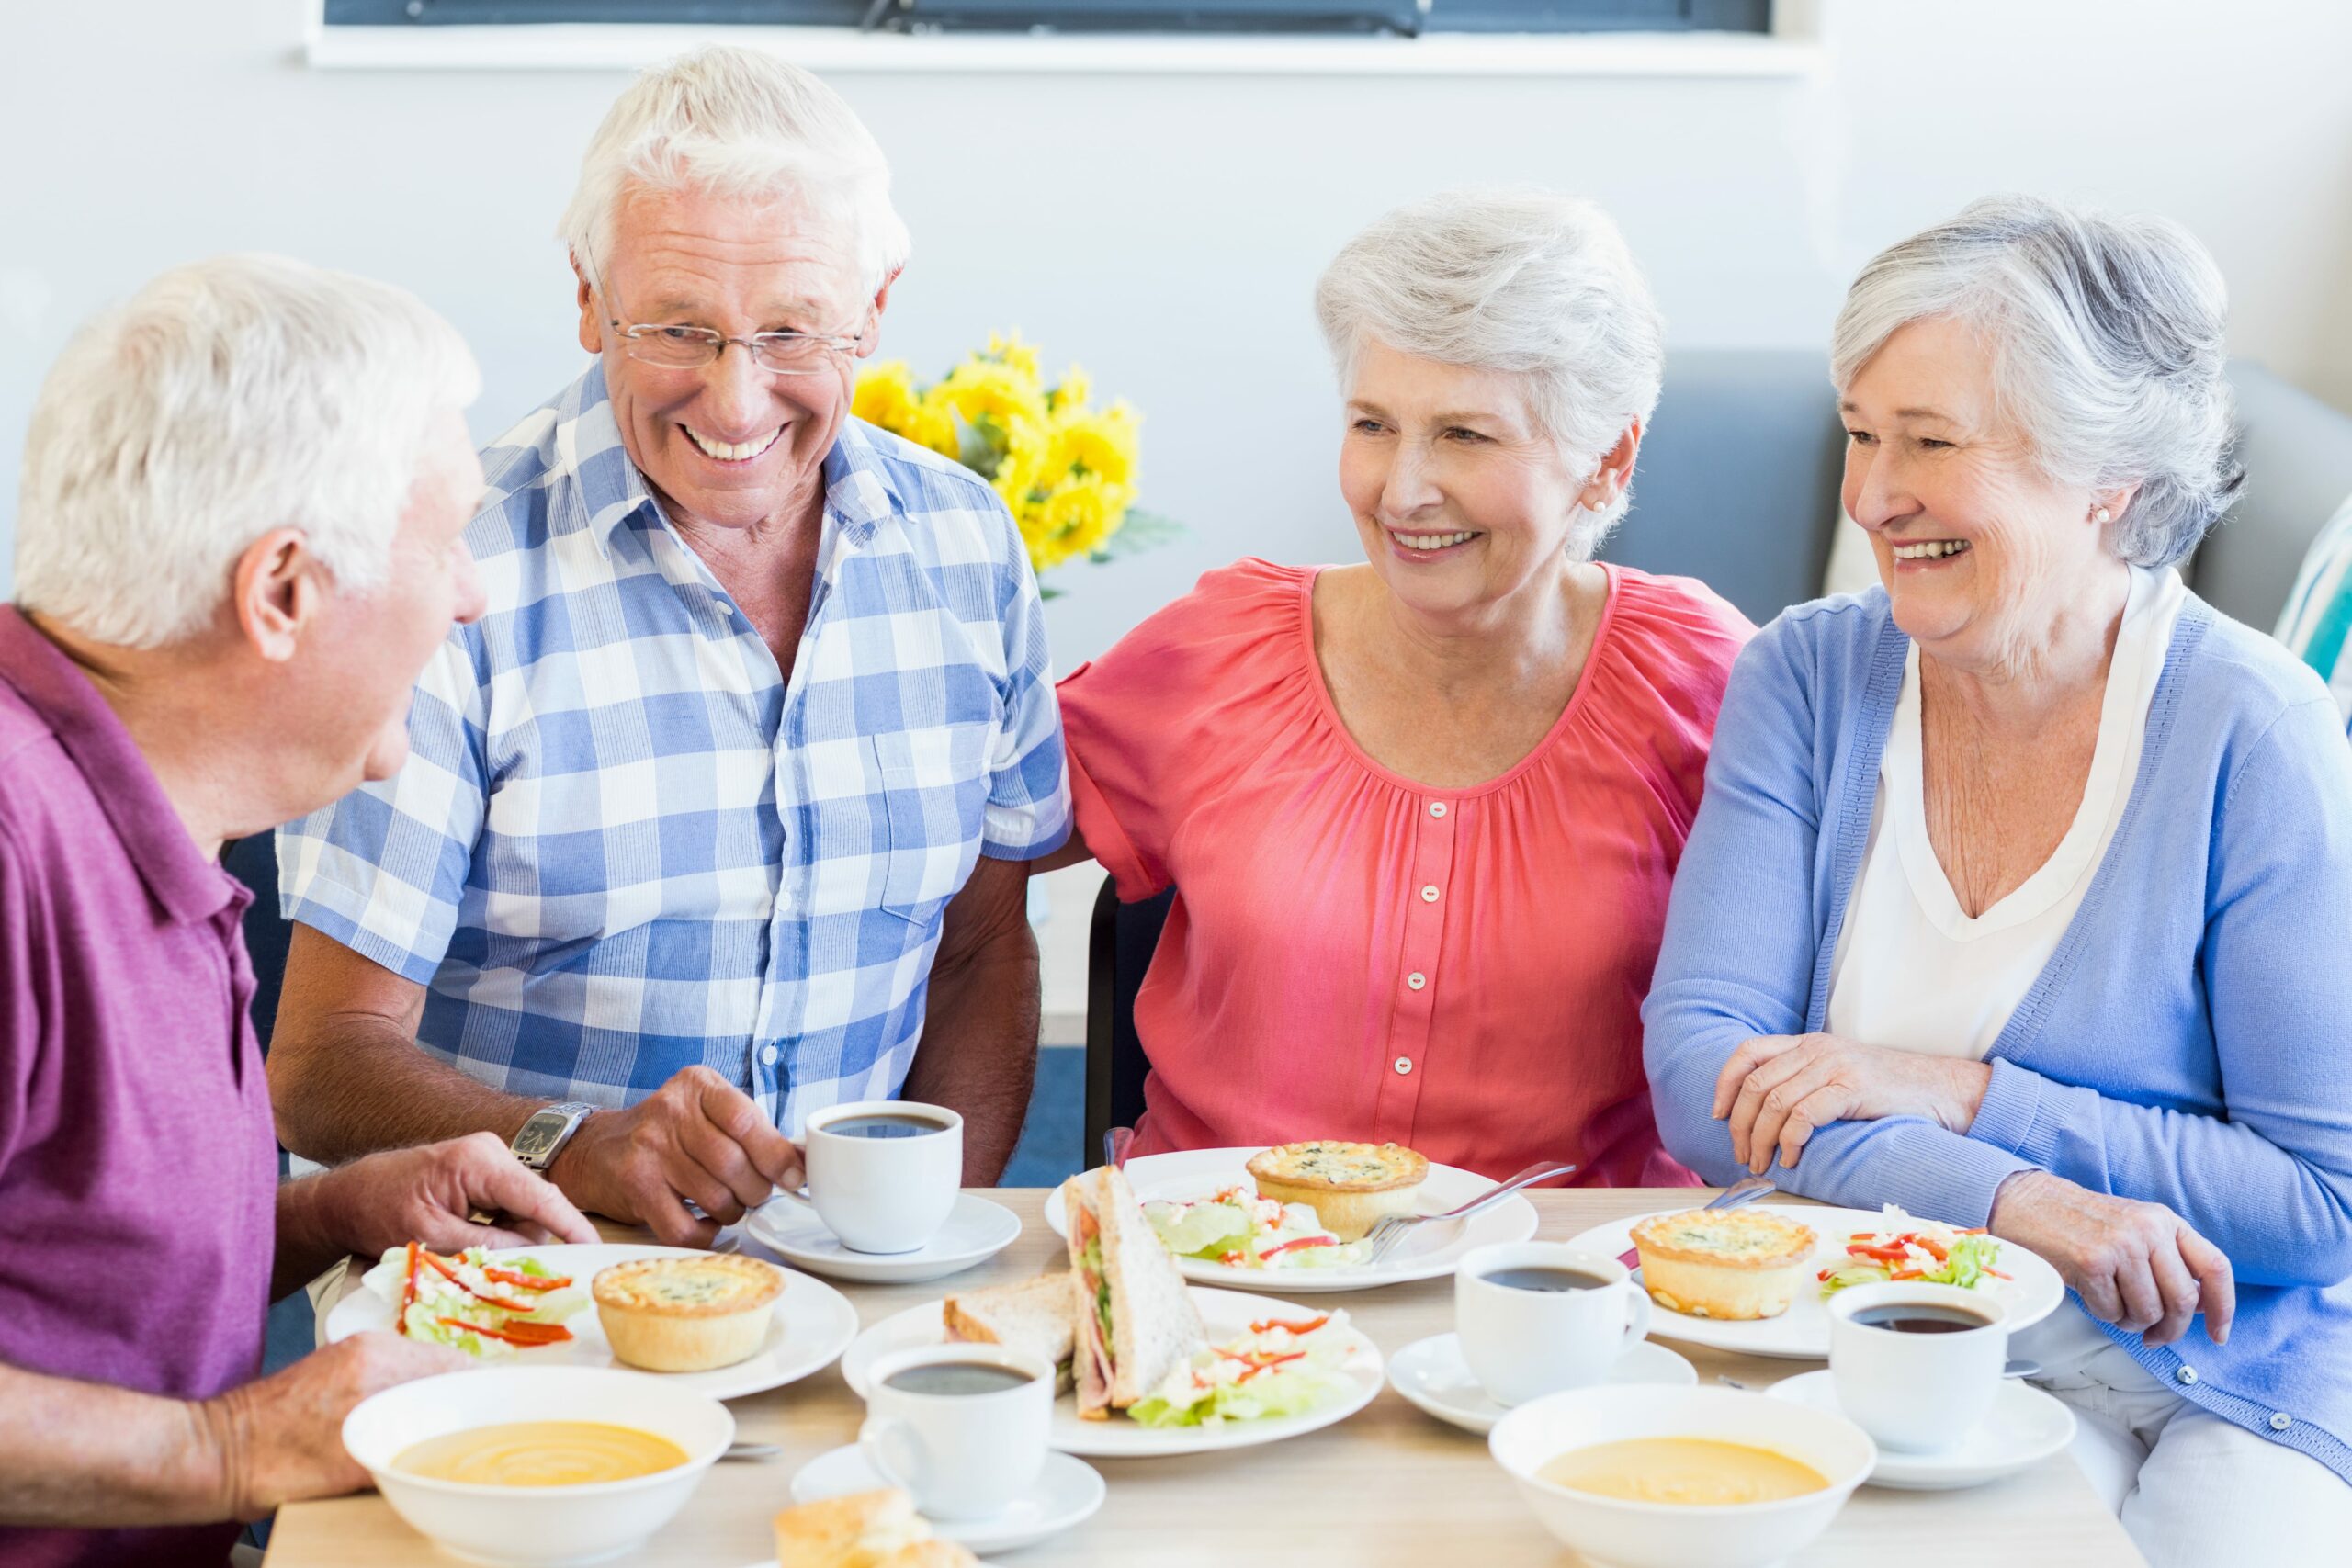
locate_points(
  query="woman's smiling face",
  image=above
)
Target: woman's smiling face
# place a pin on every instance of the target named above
(1980, 550)
(1460, 495)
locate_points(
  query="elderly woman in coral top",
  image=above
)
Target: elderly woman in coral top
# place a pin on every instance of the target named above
(1421, 811)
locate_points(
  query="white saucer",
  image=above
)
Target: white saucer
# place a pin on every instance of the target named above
(1067, 1493)
(1431, 1374)
(975, 1231)
(2024, 1428)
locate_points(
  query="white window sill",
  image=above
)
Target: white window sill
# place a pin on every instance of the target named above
(627, 47)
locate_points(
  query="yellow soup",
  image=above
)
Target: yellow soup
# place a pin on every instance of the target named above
(1683, 1469)
(541, 1453)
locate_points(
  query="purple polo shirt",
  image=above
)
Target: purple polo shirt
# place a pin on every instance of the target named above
(137, 1165)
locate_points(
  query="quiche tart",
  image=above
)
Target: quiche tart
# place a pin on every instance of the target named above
(686, 1314)
(1729, 1264)
(1351, 1187)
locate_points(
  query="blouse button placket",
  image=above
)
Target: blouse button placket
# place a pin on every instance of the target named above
(1421, 978)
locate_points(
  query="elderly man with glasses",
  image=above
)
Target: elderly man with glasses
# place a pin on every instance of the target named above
(718, 815)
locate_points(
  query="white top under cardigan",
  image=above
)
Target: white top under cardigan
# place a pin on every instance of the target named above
(1913, 970)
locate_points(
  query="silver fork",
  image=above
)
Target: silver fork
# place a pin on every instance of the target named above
(1385, 1235)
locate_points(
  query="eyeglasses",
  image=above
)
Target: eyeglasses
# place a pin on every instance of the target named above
(691, 348)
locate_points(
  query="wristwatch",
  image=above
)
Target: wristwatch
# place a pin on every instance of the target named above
(549, 1128)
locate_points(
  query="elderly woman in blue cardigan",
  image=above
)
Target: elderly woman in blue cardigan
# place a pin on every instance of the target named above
(2020, 892)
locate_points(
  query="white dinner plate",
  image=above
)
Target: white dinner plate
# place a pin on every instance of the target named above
(1430, 1252)
(1431, 1374)
(1067, 1493)
(1226, 1313)
(2024, 1428)
(813, 1324)
(975, 1231)
(1802, 1332)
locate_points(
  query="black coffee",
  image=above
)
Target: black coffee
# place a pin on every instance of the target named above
(882, 1127)
(1546, 1280)
(1904, 1317)
(956, 1377)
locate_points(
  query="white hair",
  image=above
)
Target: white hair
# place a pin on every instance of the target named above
(2108, 342)
(736, 122)
(227, 399)
(1522, 281)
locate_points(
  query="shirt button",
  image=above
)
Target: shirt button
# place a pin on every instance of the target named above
(2281, 1421)
(768, 1055)
(1429, 894)
(1417, 980)
(1437, 809)
(1405, 1065)
(2185, 1375)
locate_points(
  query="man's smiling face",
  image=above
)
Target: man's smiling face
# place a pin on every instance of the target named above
(731, 444)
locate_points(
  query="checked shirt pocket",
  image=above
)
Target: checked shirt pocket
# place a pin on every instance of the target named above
(934, 795)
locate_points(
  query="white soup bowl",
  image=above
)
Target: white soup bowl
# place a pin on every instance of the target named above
(1620, 1533)
(536, 1526)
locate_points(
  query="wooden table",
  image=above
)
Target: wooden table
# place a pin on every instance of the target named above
(1389, 1485)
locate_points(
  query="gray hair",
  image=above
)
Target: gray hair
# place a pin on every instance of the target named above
(1526, 282)
(736, 122)
(2107, 340)
(227, 399)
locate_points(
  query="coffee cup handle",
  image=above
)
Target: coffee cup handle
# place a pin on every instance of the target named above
(879, 1439)
(1637, 1322)
(796, 1194)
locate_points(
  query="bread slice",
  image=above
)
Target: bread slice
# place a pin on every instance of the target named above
(1038, 1315)
(1154, 1325)
(932, 1553)
(858, 1529)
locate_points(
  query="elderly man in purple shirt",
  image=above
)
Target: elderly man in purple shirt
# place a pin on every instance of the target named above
(238, 542)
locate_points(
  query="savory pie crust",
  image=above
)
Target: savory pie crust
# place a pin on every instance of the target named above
(1737, 1265)
(1351, 1187)
(686, 1314)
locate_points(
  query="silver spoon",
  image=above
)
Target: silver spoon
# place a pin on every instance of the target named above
(753, 1453)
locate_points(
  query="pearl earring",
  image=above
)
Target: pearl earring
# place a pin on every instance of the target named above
(2100, 515)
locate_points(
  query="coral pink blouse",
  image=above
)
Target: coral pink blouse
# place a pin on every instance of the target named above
(1351, 955)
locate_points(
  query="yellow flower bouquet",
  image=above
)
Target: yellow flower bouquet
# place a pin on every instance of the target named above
(1065, 467)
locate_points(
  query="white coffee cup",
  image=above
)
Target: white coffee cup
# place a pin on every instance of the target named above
(1917, 1393)
(1523, 1343)
(887, 1193)
(962, 1453)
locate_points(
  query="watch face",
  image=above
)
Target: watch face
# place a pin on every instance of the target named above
(542, 1135)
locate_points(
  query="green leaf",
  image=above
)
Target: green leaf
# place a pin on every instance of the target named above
(1139, 532)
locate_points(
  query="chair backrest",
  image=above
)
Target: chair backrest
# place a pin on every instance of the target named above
(1120, 945)
(1736, 483)
(2297, 456)
(254, 862)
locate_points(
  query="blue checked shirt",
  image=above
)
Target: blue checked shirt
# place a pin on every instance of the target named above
(624, 843)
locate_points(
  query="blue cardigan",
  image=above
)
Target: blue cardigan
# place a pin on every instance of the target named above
(2186, 1044)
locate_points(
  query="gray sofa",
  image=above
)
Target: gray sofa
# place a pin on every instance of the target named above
(1737, 484)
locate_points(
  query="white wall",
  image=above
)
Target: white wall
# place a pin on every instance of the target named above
(1166, 231)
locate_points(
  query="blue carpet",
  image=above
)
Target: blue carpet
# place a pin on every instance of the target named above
(1048, 1151)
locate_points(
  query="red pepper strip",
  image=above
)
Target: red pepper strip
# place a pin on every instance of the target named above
(1908, 1274)
(1884, 1254)
(1934, 1248)
(1302, 1241)
(522, 1334)
(408, 1288)
(1257, 1367)
(526, 1282)
(1823, 1275)
(1309, 1327)
(450, 1274)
